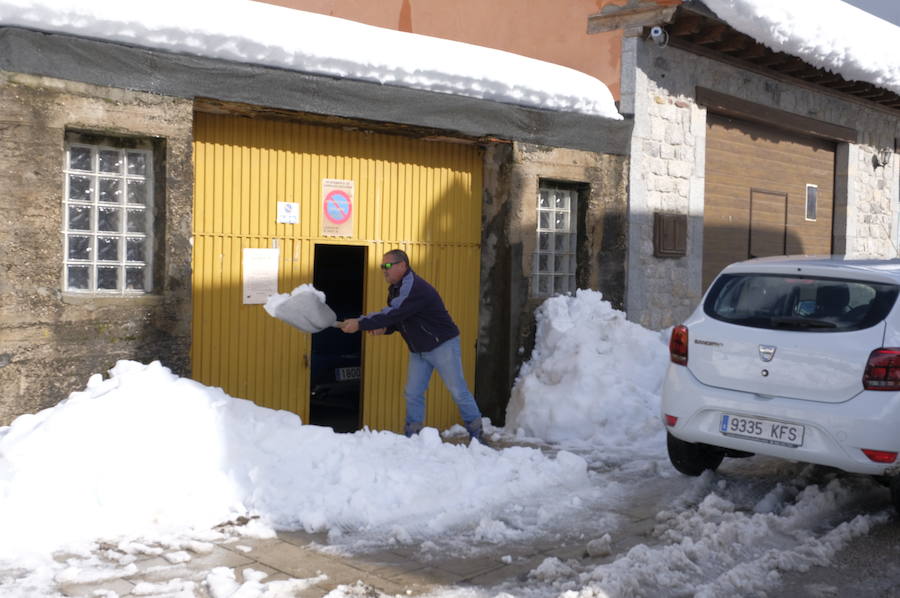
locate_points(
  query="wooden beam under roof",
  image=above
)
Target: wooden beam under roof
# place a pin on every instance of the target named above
(773, 59)
(875, 94)
(795, 66)
(709, 35)
(689, 25)
(820, 77)
(637, 13)
(841, 85)
(858, 87)
(734, 43)
(757, 50)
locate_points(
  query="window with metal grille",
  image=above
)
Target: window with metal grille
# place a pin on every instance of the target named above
(554, 261)
(107, 226)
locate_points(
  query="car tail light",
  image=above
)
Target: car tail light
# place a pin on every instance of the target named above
(883, 370)
(678, 345)
(671, 420)
(880, 456)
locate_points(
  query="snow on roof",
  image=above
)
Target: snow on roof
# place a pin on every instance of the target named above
(828, 34)
(268, 35)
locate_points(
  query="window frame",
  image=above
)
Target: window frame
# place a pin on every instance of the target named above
(551, 251)
(93, 232)
(815, 204)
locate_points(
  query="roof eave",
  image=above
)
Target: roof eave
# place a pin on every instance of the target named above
(691, 26)
(635, 15)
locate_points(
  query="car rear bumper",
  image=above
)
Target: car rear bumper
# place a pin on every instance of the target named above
(835, 433)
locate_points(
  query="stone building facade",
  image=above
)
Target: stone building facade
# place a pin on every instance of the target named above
(61, 90)
(659, 91)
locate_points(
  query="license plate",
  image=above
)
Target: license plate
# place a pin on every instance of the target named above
(344, 374)
(762, 430)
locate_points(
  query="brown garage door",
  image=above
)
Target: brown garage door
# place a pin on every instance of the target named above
(768, 192)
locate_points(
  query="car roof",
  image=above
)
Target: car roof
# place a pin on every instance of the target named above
(834, 266)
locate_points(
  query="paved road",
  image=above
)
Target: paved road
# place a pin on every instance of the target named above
(869, 566)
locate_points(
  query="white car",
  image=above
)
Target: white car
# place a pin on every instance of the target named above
(791, 357)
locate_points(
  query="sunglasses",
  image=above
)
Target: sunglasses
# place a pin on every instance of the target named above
(388, 265)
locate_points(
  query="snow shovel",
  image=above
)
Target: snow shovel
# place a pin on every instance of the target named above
(304, 310)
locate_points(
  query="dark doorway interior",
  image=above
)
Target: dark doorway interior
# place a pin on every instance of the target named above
(335, 371)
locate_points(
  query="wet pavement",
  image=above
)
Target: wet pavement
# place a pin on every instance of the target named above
(868, 566)
(400, 570)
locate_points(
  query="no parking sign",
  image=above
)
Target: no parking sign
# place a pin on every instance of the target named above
(337, 208)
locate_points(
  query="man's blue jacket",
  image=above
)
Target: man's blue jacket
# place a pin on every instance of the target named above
(416, 310)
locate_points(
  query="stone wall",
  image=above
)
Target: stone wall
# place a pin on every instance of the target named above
(50, 341)
(668, 163)
(513, 173)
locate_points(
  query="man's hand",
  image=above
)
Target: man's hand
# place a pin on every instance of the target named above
(378, 331)
(350, 325)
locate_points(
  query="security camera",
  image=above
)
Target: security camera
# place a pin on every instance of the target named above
(659, 35)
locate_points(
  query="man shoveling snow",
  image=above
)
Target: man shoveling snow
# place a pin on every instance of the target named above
(417, 312)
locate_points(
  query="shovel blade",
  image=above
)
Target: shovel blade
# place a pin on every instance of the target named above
(306, 312)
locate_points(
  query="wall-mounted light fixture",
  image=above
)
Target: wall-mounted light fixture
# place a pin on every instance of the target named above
(882, 157)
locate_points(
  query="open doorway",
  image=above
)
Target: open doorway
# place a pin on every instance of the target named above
(335, 372)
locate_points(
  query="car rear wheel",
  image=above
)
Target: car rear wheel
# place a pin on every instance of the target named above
(693, 459)
(895, 491)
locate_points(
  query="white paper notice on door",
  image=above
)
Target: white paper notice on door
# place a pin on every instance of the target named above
(260, 274)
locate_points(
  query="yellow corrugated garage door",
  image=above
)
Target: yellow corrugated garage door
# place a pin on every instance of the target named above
(420, 196)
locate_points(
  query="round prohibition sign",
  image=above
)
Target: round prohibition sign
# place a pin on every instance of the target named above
(338, 207)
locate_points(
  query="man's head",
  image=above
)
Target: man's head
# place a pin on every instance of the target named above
(394, 265)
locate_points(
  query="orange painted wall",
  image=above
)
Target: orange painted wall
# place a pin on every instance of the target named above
(551, 30)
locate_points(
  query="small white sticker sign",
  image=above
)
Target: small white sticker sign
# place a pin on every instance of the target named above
(260, 274)
(288, 212)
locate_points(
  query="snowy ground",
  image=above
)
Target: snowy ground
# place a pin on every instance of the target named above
(144, 462)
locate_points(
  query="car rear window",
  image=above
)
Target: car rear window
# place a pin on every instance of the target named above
(799, 303)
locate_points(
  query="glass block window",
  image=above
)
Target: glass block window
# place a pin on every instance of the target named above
(107, 230)
(554, 260)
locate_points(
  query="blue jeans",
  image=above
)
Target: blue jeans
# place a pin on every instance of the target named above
(447, 360)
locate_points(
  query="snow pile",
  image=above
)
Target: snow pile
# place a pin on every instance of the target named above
(828, 34)
(258, 33)
(146, 454)
(593, 376)
(143, 449)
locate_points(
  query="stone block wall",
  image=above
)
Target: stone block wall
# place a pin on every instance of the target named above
(52, 341)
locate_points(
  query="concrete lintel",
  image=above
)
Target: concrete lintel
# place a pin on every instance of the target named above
(641, 14)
